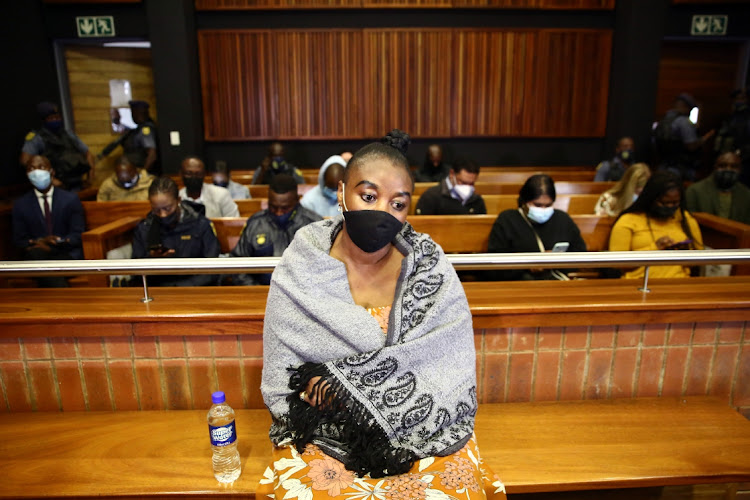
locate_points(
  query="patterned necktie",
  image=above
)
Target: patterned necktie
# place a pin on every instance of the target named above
(47, 214)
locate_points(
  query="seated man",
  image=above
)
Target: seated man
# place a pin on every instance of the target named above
(433, 169)
(455, 194)
(275, 164)
(126, 184)
(721, 193)
(69, 156)
(216, 201)
(267, 233)
(322, 199)
(613, 170)
(47, 221)
(222, 178)
(174, 229)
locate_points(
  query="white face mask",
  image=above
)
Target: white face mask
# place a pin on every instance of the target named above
(540, 215)
(463, 191)
(635, 197)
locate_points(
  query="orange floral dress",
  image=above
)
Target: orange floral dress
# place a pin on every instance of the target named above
(313, 475)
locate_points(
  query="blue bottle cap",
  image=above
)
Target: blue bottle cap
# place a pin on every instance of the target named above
(218, 397)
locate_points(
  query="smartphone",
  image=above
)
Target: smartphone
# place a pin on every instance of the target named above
(561, 246)
(156, 247)
(680, 245)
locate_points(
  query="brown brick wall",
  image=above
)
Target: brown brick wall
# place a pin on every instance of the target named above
(519, 364)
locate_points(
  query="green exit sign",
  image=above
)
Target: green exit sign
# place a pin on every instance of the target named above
(95, 26)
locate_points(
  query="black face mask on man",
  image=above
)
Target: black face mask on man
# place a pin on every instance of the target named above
(370, 230)
(725, 179)
(193, 184)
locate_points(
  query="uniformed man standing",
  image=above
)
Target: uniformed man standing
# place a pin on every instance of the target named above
(69, 156)
(139, 144)
(267, 233)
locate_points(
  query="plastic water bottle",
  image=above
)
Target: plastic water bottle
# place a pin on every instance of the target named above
(226, 459)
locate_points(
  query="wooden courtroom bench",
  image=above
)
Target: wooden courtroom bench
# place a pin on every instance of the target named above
(484, 188)
(573, 204)
(718, 232)
(99, 213)
(533, 447)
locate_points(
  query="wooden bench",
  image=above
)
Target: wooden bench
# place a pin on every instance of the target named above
(573, 204)
(99, 213)
(718, 232)
(485, 188)
(533, 447)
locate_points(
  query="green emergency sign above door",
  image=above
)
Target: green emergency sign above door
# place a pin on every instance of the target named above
(95, 26)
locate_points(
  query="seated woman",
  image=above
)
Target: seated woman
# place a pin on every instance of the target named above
(657, 221)
(174, 229)
(613, 201)
(534, 227)
(368, 352)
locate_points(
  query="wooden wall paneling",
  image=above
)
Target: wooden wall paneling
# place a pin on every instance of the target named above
(707, 70)
(509, 4)
(409, 81)
(89, 71)
(274, 4)
(320, 92)
(407, 3)
(238, 85)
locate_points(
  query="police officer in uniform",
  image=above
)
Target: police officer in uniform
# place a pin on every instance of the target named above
(139, 144)
(267, 233)
(69, 156)
(174, 229)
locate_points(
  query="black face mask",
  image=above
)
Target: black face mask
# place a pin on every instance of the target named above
(193, 184)
(221, 184)
(170, 220)
(661, 212)
(371, 230)
(725, 179)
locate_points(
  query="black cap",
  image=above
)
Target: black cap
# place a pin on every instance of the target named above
(138, 104)
(46, 108)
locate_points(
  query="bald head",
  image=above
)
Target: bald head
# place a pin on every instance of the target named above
(434, 154)
(334, 174)
(193, 165)
(347, 155)
(276, 149)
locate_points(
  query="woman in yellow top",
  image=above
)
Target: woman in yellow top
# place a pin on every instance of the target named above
(657, 220)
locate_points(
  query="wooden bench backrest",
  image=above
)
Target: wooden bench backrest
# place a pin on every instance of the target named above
(718, 232)
(100, 213)
(470, 233)
(574, 204)
(484, 188)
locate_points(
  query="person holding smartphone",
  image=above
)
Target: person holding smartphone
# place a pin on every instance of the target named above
(174, 229)
(536, 226)
(657, 220)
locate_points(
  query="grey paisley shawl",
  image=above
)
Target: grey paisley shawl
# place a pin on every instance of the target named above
(396, 398)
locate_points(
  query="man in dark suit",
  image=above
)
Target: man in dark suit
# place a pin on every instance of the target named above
(47, 221)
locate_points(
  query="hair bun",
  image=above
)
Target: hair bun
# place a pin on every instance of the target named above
(397, 139)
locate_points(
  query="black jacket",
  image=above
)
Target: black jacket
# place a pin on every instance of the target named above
(193, 236)
(437, 200)
(511, 234)
(262, 237)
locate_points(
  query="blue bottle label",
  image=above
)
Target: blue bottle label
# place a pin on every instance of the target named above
(222, 435)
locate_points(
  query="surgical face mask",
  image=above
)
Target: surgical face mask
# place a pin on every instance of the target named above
(463, 191)
(540, 215)
(131, 183)
(53, 125)
(40, 179)
(283, 220)
(193, 184)
(371, 230)
(626, 155)
(635, 197)
(662, 212)
(725, 178)
(330, 193)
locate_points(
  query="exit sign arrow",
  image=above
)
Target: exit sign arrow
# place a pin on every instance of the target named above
(95, 26)
(709, 25)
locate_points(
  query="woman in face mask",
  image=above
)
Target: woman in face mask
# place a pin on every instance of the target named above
(613, 201)
(534, 227)
(174, 229)
(322, 199)
(657, 220)
(368, 367)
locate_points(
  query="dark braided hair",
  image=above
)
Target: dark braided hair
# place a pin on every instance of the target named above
(392, 148)
(657, 185)
(163, 185)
